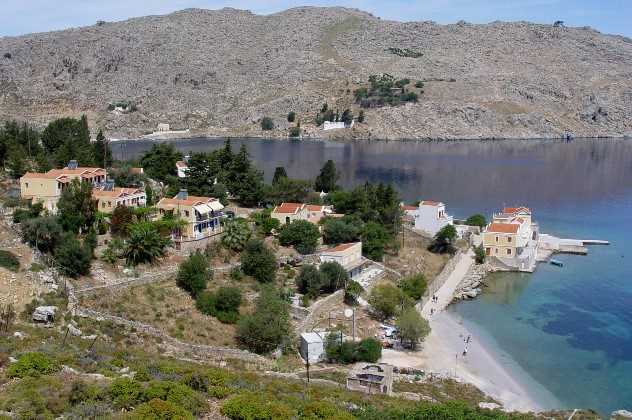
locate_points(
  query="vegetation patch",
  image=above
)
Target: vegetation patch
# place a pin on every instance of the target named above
(9, 261)
(384, 90)
(405, 52)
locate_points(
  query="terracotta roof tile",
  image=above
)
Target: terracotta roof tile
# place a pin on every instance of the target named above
(288, 208)
(341, 247)
(409, 207)
(514, 210)
(503, 228)
(431, 203)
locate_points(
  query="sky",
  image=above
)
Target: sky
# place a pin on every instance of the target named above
(19, 17)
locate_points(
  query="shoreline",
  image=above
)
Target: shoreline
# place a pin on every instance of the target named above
(343, 139)
(488, 369)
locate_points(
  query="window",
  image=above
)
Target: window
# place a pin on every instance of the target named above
(27, 185)
(496, 238)
(509, 251)
(109, 204)
(186, 213)
(509, 239)
(103, 204)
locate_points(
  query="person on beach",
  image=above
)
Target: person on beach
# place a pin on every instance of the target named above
(465, 351)
(468, 338)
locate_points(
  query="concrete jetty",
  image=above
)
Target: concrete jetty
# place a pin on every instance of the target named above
(549, 245)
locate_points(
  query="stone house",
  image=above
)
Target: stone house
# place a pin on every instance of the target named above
(512, 238)
(371, 378)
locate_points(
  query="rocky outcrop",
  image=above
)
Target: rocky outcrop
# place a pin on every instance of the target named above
(472, 284)
(219, 72)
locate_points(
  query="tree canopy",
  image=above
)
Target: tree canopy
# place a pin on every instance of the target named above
(327, 178)
(258, 261)
(300, 234)
(159, 162)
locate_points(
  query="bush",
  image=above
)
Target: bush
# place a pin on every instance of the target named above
(252, 406)
(81, 392)
(157, 409)
(31, 212)
(267, 124)
(236, 235)
(301, 234)
(73, 258)
(419, 84)
(145, 245)
(121, 220)
(291, 116)
(413, 286)
(259, 262)
(353, 292)
(443, 240)
(223, 305)
(342, 230)
(268, 326)
(175, 393)
(9, 261)
(32, 364)
(479, 254)
(333, 275)
(295, 131)
(369, 350)
(194, 273)
(125, 392)
(309, 280)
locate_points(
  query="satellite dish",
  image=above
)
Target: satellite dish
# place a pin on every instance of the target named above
(348, 313)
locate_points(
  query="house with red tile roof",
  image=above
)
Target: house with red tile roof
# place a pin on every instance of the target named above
(511, 238)
(202, 216)
(289, 212)
(46, 187)
(108, 199)
(348, 255)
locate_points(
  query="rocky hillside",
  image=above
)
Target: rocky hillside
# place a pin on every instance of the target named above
(220, 72)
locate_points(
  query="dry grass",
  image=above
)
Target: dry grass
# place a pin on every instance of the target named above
(442, 390)
(414, 257)
(169, 308)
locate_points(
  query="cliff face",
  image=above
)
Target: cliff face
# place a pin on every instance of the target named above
(219, 72)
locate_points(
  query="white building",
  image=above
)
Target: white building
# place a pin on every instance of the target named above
(333, 125)
(313, 345)
(431, 217)
(163, 127)
(182, 168)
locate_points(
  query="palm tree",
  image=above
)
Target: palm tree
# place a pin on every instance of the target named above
(236, 234)
(145, 244)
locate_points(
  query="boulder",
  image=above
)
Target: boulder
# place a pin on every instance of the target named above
(44, 313)
(19, 335)
(489, 406)
(74, 331)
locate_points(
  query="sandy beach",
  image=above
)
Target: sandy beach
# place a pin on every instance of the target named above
(442, 353)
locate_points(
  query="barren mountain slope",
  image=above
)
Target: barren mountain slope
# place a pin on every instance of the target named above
(219, 72)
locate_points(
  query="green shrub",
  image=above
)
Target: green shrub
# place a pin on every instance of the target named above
(219, 392)
(476, 220)
(176, 393)
(291, 116)
(413, 286)
(223, 304)
(251, 406)
(194, 273)
(259, 262)
(9, 261)
(353, 292)
(157, 409)
(81, 392)
(369, 350)
(32, 364)
(267, 124)
(125, 392)
(301, 234)
(324, 410)
(73, 258)
(479, 254)
(295, 131)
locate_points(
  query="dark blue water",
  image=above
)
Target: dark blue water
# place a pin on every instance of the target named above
(570, 327)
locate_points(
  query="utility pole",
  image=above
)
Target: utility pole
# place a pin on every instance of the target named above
(307, 363)
(353, 325)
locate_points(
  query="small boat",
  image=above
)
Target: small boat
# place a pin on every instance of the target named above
(557, 263)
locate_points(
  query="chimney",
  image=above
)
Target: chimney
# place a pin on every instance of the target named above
(183, 194)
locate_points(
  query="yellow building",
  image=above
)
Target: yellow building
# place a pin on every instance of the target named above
(46, 188)
(512, 238)
(108, 200)
(289, 212)
(202, 216)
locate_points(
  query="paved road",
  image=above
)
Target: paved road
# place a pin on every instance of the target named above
(446, 292)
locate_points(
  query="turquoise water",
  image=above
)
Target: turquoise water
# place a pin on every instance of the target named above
(570, 327)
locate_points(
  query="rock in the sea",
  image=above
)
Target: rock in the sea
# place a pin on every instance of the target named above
(44, 313)
(621, 414)
(489, 406)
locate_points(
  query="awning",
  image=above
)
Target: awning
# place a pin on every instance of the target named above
(215, 205)
(202, 209)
